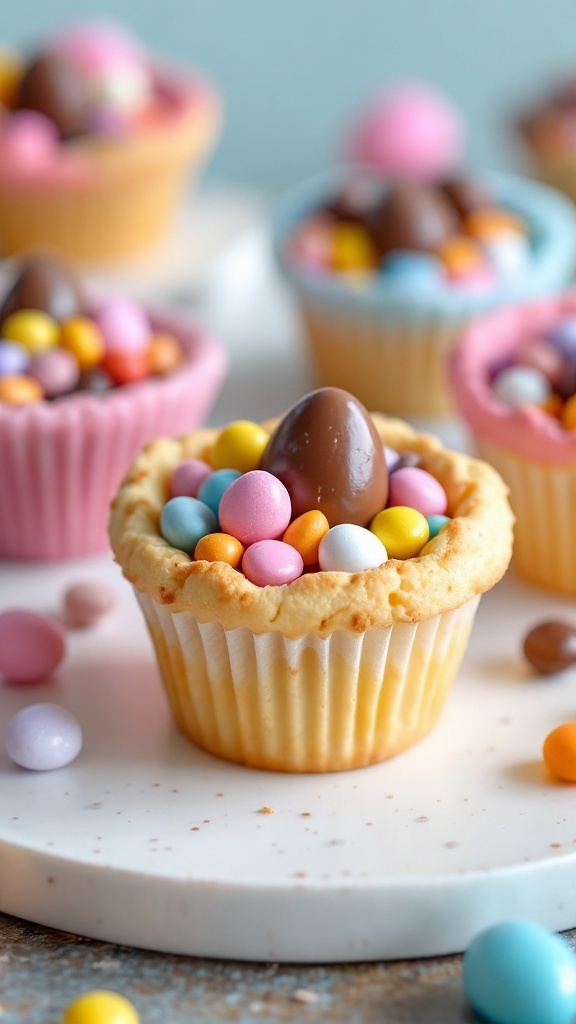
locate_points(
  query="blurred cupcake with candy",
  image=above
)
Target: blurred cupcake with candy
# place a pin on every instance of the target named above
(390, 256)
(547, 133)
(85, 381)
(98, 143)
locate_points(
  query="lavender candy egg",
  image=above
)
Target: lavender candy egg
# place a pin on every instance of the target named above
(350, 548)
(14, 358)
(271, 563)
(188, 477)
(56, 370)
(43, 737)
(522, 385)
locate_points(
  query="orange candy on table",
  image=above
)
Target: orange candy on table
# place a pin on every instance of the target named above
(560, 752)
(219, 547)
(305, 534)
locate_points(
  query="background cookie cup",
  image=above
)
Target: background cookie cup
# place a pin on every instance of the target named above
(389, 344)
(334, 670)
(529, 446)
(62, 460)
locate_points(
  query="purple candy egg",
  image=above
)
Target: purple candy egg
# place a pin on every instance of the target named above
(43, 737)
(14, 358)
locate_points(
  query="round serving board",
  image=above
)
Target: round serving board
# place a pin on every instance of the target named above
(148, 841)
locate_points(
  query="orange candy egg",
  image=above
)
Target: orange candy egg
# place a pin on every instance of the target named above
(219, 547)
(305, 534)
(83, 338)
(490, 223)
(19, 389)
(164, 353)
(560, 751)
(461, 256)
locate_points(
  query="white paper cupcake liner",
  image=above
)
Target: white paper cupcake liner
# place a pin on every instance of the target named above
(310, 704)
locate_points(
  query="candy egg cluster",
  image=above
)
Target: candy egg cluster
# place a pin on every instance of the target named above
(51, 346)
(542, 372)
(90, 79)
(321, 493)
(453, 234)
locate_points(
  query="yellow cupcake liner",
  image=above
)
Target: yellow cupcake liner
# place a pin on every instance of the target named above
(543, 498)
(310, 704)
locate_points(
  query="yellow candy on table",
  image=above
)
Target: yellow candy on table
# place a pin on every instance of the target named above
(239, 445)
(19, 389)
(35, 330)
(101, 1006)
(83, 338)
(219, 547)
(403, 531)
(352, 249)
(305, 534)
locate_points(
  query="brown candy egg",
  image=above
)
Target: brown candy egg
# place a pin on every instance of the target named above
(551, 647)
(45, 283)
(414, 217)
(467, 195)
(327, 453)
(54, 89)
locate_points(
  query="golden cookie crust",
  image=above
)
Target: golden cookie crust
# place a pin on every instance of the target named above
(470, 555)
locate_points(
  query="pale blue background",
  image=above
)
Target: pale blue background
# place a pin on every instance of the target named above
(293, 73)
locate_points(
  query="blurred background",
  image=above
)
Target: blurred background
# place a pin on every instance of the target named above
(292, 75)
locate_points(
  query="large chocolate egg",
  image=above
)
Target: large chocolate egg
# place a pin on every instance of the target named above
(45, 283)
(467, 195)
(327, 453)
(55, 89)
(414, 217)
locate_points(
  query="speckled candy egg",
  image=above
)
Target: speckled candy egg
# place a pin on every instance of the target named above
(327, 452)
(517, 972)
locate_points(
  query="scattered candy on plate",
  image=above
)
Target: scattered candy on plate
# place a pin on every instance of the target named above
(32, 646)
(551, 646)
(43, 737)
(100, 1006)
(87, 602)
(559, 752)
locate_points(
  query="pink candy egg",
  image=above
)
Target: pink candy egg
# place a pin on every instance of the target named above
(124, 325)
(417, 489)
(270, 563)
(28, 138)
(87, 603)
(56, 370)
(31, 646)
(188, 477)
(255, 507)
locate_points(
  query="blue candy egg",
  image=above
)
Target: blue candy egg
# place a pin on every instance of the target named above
(517, 972)
(411, 269)
(435, 524)
(184, 521)
(213, 487)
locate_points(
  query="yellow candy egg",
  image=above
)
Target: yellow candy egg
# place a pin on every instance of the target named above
(352, 249)
(83, 338)
(19, 389)
(403, 531)
(35, 330)
(219, 547)
(101, 1007)
(305, 534)
(239, 445)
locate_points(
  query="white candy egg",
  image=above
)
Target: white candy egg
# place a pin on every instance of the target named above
(521, 385)
(508, 255)
(350, 548)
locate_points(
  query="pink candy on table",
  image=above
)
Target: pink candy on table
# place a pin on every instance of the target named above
(31, 646)
(87, 603)
(410, 130)
(416, 488)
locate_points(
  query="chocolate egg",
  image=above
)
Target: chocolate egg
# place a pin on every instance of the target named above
(55, 89)
(327, 453)
(45, 283)
(414, 217)
(467, 195)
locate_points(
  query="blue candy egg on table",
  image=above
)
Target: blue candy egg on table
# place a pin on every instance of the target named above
(184, 521)
(518, 972)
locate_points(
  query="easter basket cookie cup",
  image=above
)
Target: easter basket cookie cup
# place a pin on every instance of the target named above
(62, 460)
(330, 672)
(389, 344)
(99, 199)
(531, 449)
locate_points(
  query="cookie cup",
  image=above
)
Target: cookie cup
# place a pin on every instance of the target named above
(389, 344)
(530, 448)
(103, 199)
(335, 670)
(63, 460)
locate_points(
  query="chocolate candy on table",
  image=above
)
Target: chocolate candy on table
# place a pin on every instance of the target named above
(47, 283)
(327, 453)
(55, 89)
(416, 217)
(551, 647)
